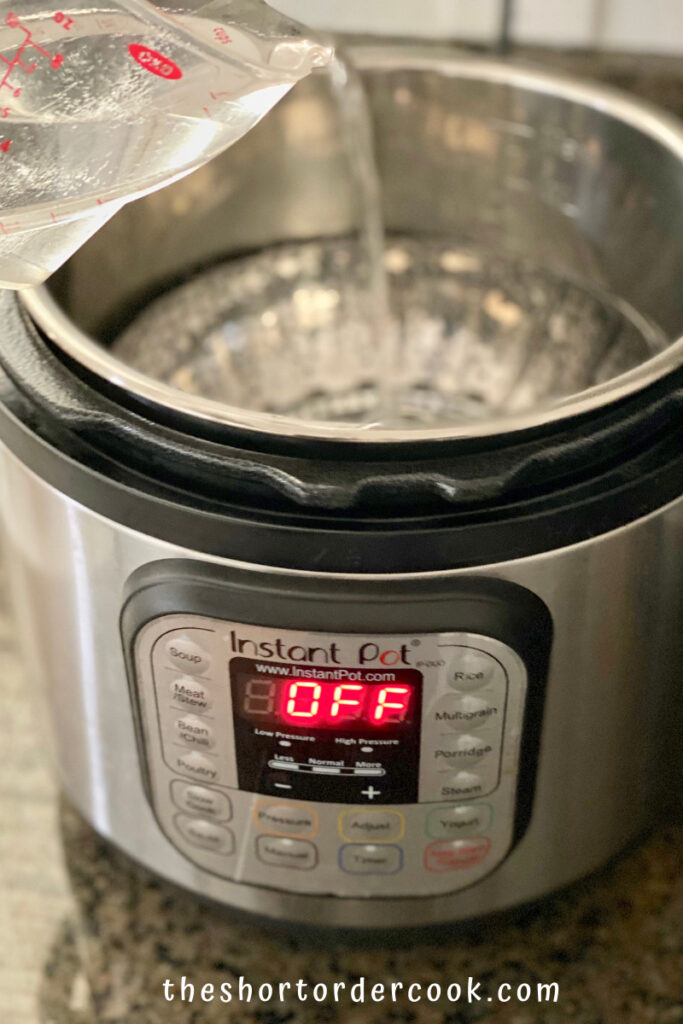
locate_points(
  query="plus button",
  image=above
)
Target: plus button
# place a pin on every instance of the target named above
(371, 792)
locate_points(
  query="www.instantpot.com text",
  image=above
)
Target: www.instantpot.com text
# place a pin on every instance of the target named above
(361, 990)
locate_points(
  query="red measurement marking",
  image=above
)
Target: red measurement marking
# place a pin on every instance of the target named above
(217, 95)
(155, 62)
(5, 112)
(221, 35)
(61, 19)
(4, 146)
(27, 43)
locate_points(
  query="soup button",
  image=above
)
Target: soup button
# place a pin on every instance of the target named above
(456, 855)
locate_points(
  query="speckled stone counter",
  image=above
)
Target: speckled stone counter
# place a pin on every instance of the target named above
(87, 937)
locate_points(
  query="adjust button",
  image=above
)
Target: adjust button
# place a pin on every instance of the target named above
(194, 732)
(375, 826)
(200, 800)
(459, 821)
(285, 819)
(206, 834)
(468, 669)
(459, 711)
(456, 855)
(369, 859)
(197, 765)
(287, 853)
(462, 749)
(188, 655)
(190, 694)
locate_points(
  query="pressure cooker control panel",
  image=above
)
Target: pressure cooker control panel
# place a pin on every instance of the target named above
(331, 763)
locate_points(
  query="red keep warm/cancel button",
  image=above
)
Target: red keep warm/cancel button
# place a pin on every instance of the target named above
(456, 854)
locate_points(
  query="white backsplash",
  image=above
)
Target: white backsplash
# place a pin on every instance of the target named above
(654, 26)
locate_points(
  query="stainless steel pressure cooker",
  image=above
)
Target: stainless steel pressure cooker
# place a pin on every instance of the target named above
(325, 664)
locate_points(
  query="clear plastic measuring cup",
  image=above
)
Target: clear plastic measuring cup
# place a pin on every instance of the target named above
(104, 102)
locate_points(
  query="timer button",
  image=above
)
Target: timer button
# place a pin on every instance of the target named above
(470, 670)
(285, 819)
(459, 821)
(188, 655)
(287, 853)
(200, 800)
(456, 855)
(369, 859)
(206, 834)
(190, 694)
(464, 711)
(373, 826)
(193, 732)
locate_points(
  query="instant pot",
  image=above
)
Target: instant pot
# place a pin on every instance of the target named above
(350, 672)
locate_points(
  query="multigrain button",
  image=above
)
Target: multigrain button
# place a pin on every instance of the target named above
(459, 821)
(368, 859)
(462, 749)
(459, 711)
(194, 732)
(190, 694)
(371, 826)
(206, 834)
(468, 669)
(188, 655)
(287, 853)
(200, 800)
(285, 819)
(197, 765)
(456, 855)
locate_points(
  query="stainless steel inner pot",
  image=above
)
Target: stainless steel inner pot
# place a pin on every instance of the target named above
(546, 213)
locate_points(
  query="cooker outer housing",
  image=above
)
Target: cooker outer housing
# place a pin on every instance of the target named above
(608, 735)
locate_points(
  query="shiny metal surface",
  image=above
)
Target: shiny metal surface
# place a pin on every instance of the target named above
(608, 735)
(569, 176)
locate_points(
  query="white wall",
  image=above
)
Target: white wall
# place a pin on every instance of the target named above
(647, 25)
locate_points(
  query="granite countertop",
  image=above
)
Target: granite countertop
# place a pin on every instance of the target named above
(87, 937)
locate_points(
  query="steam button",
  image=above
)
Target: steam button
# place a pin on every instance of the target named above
(470, 670)
(463, 785)
(188, 655)
(206, 834)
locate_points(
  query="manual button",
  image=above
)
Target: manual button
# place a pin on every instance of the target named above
(287, 853)
(371, 826)
(285, 819)
(206, 834)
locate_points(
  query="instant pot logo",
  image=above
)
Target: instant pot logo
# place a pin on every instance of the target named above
(368, 652)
